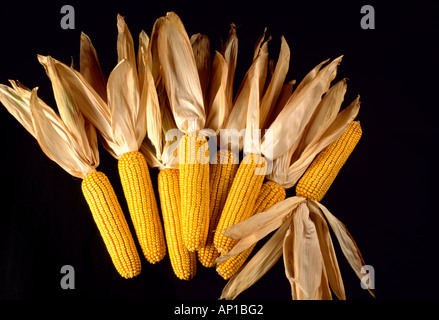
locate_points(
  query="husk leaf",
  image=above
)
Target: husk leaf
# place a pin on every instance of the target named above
(90, 68)
(291, 121)
(346, 241)
(257, 266)
(180, 75)
(302, 256)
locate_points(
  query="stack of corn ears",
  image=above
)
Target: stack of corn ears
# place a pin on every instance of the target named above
(170, 106)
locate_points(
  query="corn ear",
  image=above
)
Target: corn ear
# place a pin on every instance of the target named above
(194, 189)
(241, 199)
(142, 205)
(221, 178)
(321, 173)
(111, 223)
(184, 262)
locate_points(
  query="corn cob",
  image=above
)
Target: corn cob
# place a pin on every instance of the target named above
(241, 198)
(221, 177)
(111, 223)
(194, 190)
(142, 205)
(270, 194)
(321, 173)
(184, 262)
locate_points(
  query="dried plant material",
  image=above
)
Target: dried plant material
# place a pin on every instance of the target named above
(284, 96)
(258, 266)
(90, 67)
(334, 131)
(275, 85)
(149, 101)
(54, 137)
(245, 111)
(259, 225)
(218, 107)
(201, 47)
(299, 109)
(347, 243)
(328, 253)
(180, 75)
(324, 115)
(230, 53)
(302, 258)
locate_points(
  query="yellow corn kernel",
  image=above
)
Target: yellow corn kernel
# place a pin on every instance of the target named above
(111, 223)
(194, 189)
(270, 194)
(142, 205)
(221, 177)
(184, 262)
(321, 173)
(241, 199)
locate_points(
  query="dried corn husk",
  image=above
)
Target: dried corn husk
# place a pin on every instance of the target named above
(180, 75)
(120, 116)
(67, 139)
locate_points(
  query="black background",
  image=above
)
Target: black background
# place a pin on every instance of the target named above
(385, 194)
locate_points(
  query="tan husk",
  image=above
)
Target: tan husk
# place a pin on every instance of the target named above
(218, 107)
(201, 48)
(122, 120)
(90, 68)
(346, 241)
(180, 75)
(288, 126)
(302, 258)
(330, 259)
(245, 112)
(274, 88)
(75, 151)
(256, 268)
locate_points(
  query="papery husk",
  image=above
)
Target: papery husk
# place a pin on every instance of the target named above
(230, 53)
(121, 121)
(324, 116)
(275, 84)
(332, 133)
(245, 112)
(346, 241)
(287, 128)
(201, 48)
(333, 273)
(256, 267)
(68, 149)
(255, 228)
(17, 100)
(90, 68)
(149, 100)
(180, 75)
(302, 256)
(284, 96)
(218, 107)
